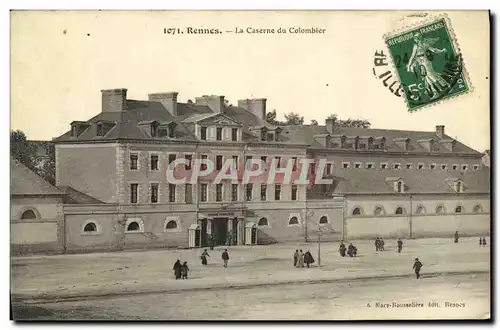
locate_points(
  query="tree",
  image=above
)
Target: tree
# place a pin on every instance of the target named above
(271, 118)
(23, 150)
(349, 123)
(48, 170)
(293, 118)
(314, 122)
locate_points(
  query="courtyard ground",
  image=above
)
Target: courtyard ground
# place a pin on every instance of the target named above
(85, 276)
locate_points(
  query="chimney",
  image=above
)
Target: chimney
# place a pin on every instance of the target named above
(440, 131)
(168, 100)
(255, 106)
(330, 124)
(114, 99)
(214, 102)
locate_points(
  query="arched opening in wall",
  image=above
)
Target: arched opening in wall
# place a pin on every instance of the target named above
(477, 209)
(378, 210)
(28, 215)
(356, 211)
(400, 187)
(171, 225)
(440, 209)
(263, 222)
(459, 209)
(293, 221)
(323, 220)
(133, 226)
(90, 227)
(420, 210)
(400, 210)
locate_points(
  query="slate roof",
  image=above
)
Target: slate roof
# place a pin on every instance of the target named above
(142, 111)
(367, 181)
(73, 196)
(24, 182)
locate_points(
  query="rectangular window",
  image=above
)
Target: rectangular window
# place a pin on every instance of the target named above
(133, 193)
(444, 166)
(154, 162)
(263, 192)
(408, 166)
(383, 166)
(188, 193)
(396, 166)
(357, 165)
(234, 192)
(235, 162)
(100, 130)
(278, 161)
(345, 164)
(455, 167)
(294, 193)
(219, 133)
(263, 158)
(294, 162)
(154, 130)
(464, 167)
(134, 160)
(432, 166)
(203, 166)
(277, 192)
(270, 137)
(189, 160)
(218, 192)
(328, 169)
(203, 192)
(171, 158)
(154, 193)
(218, 163)
(369, 165)
(249, 190)
(203, 133)
(248, 162)
(234, 134)
(171, 193)
(420, 166)
(476, 167)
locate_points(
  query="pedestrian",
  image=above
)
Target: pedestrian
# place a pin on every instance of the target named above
(417, 265)
(225, 257)
(480, 241)
(382, 243)
(229, 238)
(300, 264)
(354, 251)
(204, 256)
(400, 245)
(184, 270)
(342, 249)
(484, 241)
(212, 242)
(296, 258)
(350, 250)
(377, 244)
(177, 269)
(308, 258)
(456, 237)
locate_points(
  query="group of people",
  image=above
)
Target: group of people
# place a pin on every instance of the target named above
(181, 270)
(482, 241)
(212, 240)
(379, 244)
(204, 255)
(351, 250)
(300, 258)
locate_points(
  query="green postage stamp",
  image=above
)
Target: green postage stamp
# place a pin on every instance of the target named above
(428, 62)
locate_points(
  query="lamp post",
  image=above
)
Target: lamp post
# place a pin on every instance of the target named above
(319, 247)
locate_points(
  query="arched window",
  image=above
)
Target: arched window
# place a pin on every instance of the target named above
(171, 225)
(378, 210)
(400, 210)
(459, 209)
(477, 209)
(89, 227)
(440, 209)
(28, 215)
(323, 220)
(400, 187)
(459, 186)
(133, 226)
(420, 210)
(356, 211)
(263, 222)
(293, 221)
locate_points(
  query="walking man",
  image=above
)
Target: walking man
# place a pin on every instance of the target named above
(225, 257)
(229, 238)
(382, 243)
(400, 245)
(177, 269)
(204, 256)
(295, 258)
(300, 264)
(377, 244)
(308, 258)
(184, 270)
(456, 237)
(342, 249)
(417, 265)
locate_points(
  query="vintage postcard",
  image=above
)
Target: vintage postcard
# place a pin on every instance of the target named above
(250, 165)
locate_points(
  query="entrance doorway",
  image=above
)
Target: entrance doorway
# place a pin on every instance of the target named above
(203, 233)
(219, 229)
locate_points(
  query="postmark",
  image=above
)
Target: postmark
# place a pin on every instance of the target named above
(428, 62)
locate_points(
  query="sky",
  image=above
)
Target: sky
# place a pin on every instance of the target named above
(60, 60)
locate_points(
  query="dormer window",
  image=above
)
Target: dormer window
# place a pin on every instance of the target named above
(263, 134)
(74, 131)
(382, 143)
(203, 133)
(218, 135)
(78, 127)
(459, 187)
(398, 184)
(234, 134)
(100, 129)
(154, 129)
(270, 137)
(399, 187)
(277, 133)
